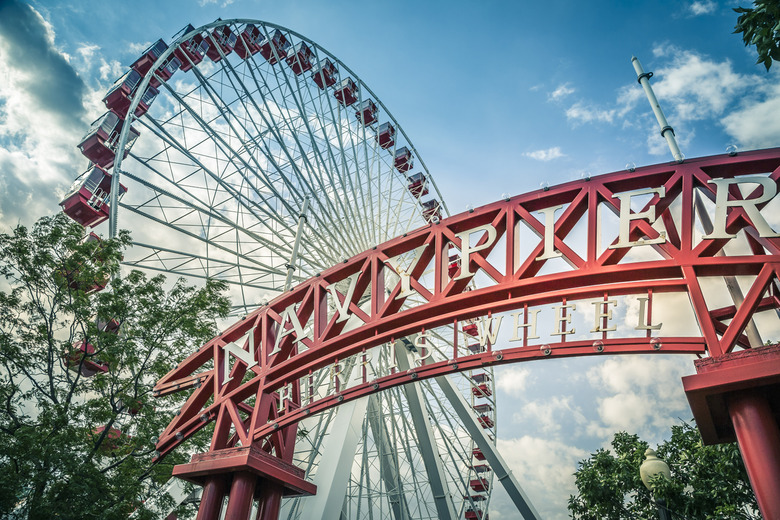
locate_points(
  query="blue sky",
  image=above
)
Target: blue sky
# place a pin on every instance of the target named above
(497, 97)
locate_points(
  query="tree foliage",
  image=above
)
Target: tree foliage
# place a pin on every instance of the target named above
(708, 482)
(760, 26)
(73, 446)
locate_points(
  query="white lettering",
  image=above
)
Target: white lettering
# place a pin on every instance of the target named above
(368, 363)
(343, 308)
(285, 394)
(248, 357)
(486, 330)
(603, 312)
(406, 274)
(338, 376)
(643, 325)
(289, 315)
(549, 234)
(423, 352)
(561, 319)
(530, 326)
(466, 249)
(722, 204)
(626, 217)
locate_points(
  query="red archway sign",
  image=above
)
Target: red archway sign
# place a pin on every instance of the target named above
(598, 244)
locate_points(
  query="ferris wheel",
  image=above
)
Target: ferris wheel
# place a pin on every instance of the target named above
(242, 151)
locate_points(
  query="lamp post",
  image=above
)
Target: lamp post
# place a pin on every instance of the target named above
(651, 467)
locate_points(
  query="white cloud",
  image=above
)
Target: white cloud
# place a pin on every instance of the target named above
(639, 394)
(755, 124)
(224, 3)
(701, 7)
(561, 92)
(549, 415)
(41, 119)
(698, 87)
(513, 380)
(544, 468)
(581, 112)
(546, 155)
(694, 88)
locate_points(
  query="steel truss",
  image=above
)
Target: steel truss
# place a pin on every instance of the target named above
(251, 173)
(305, 331)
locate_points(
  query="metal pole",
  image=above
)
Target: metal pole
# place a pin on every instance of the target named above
(663, 511)
(294, 255)
(758, 437)
(666, 131)
(731, 281)
(211, 500)
(494, 458)
(241, 492)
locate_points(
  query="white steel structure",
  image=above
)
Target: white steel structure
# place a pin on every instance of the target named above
(265, 159)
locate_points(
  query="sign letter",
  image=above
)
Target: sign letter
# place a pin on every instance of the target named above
(722, 204)
(289, 315)
(248, 357)
(466, 249)
(626, 217)
(343, 308)
(559, 319)
(531, 326)
(602, 312)
(549, 234)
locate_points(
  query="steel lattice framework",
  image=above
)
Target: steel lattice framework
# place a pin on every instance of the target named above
(247, 153)
(254, 381)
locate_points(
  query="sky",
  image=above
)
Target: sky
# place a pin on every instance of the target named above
(497, 96)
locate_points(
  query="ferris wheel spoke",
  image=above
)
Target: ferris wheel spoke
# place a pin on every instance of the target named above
(230, 272)
(269, 156)
(231, 155)
(260, 266)
(455, 452)
(340, 164)
(248, 204)
(327, 162)
(209, 214)
(319, 196)
(405, 431)
(336, 163)
(274, 128)
(366, 216)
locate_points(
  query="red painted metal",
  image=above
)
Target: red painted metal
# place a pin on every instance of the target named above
(367, 112)
(242, 492)
(758, 436)
(100, 142)
(597, 273)
(718, 377)
(275, 47)
(269, 501)
(192, 51)
(325, 74)
(346, 92)
(249, 43)
(87, 200)
(212, 497)
(299, 59)
(221, 39)
(736, 396)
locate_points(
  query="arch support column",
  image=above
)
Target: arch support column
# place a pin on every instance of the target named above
(736, 397)
(248, 468)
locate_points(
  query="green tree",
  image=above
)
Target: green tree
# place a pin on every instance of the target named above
(708, 482)
(77, 422)
(760, 26)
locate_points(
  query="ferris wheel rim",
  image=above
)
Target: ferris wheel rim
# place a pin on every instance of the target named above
(146, 79)
(130, 115)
